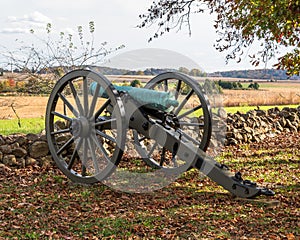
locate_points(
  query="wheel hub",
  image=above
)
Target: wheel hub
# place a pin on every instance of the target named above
(81, 127)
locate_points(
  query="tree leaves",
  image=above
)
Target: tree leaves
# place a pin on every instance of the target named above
(238, 24)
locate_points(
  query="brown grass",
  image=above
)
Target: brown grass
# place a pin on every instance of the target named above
(283, 93)
(25, 106)
(279, 93)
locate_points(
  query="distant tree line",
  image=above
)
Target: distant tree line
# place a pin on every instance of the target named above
(193, 72)
(149, 71)
(236, 85)
(268, 74)
(216, 87)
(36, 86)
(230, 85)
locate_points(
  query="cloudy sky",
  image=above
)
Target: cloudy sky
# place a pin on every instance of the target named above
(115, 22)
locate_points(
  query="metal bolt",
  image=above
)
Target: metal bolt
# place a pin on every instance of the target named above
(145, 126)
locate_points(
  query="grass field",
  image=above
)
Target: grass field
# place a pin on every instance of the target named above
(25, 125)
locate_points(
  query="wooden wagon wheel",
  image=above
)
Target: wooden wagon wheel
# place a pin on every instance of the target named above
(191, 119)
(85, 133)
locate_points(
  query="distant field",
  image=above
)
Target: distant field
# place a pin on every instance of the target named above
(270, 94)
(283, 93)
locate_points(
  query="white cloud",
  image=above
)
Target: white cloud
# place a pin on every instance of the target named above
(14, 30)
(35, 18)
(68, 31)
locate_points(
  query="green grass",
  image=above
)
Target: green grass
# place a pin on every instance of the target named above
(26, 125)
(272, 85)
(245, 109)
(36, 125)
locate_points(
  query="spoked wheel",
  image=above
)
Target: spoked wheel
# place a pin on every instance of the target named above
(191, 119)
(85, 133)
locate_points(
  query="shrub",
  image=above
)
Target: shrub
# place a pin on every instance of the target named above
(38, 86)
(135, 83)
(254, 86)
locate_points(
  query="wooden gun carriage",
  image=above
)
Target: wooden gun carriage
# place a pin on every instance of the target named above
(88, 118)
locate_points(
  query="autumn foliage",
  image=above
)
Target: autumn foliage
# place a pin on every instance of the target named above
(275, 24)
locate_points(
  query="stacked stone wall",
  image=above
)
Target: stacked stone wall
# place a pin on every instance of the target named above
(23, 150)
(257, 125)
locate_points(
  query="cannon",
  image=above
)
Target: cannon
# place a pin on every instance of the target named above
(88, 119)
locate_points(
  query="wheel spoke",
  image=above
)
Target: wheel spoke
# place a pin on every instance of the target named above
(103, 107)
(68, 104)
(77, 100)
(62, 116)
(96, 166)
(166, 88)
(61, 131)
(85, 155)
(180, 107)
(152, 149)
(178, 89)
(85, 96)
(94, 101)
(64, 147)
(106, 136)
(113, 120)
(189, 112)
(174, 161)
(72, 160)
(189, 138)
(142, 139)
(101, 148)
(163, 157)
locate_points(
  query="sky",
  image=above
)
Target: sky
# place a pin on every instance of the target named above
(115, 22)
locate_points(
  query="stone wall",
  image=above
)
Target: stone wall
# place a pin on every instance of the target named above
(257, 125)
(23, 150)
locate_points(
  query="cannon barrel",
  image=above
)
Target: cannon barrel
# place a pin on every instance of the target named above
(146, 97)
